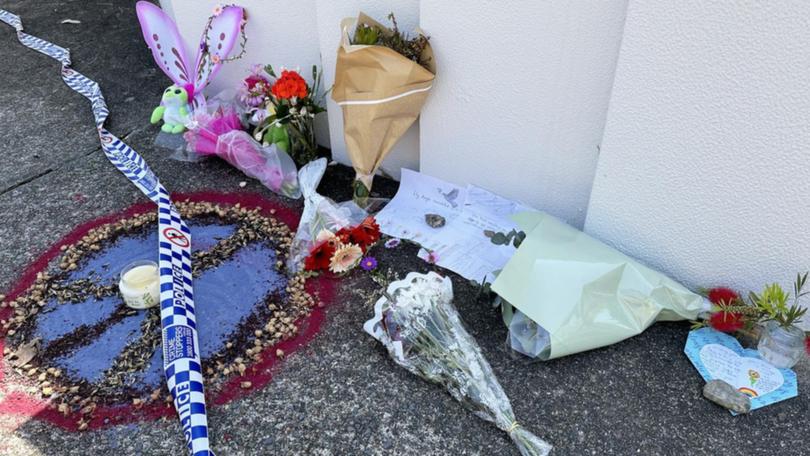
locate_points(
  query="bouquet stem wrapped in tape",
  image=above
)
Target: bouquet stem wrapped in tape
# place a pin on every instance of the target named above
(416, 322)
(381, 93)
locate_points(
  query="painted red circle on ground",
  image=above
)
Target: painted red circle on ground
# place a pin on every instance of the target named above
(23, 406)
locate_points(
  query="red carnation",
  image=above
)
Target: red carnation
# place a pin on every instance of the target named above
(722, 295)
(319, 257)
(727, 322)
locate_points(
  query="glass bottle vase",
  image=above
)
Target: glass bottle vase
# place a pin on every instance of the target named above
(781, 346)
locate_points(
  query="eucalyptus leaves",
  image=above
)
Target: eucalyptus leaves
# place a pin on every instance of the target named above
(514, 237)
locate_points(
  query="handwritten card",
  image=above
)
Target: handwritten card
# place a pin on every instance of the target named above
(420, 194)
(460, 245)
(719, 356)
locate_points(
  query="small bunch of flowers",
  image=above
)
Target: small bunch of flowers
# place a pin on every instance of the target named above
(283, 108)
(342, 251)
(253, 92)
(731, 313)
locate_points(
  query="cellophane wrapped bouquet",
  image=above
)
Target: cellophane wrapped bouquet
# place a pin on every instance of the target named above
(318, 239)
(217, 131)
(282, 110)
(416, 322)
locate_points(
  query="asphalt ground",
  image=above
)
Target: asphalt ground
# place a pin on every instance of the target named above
(341, 394)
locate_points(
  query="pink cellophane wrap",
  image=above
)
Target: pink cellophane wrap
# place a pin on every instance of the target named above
(220, 133)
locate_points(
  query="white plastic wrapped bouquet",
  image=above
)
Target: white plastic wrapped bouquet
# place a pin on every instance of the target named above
(420, 328)
(320, 213)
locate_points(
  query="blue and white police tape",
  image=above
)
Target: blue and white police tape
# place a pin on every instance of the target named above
(181, 359)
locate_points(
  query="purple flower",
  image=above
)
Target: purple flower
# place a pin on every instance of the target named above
(392, 243)
(368, 263)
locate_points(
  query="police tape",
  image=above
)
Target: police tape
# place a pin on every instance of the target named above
(181, 358)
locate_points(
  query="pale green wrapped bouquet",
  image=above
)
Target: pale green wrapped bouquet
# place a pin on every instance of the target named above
(579, 293)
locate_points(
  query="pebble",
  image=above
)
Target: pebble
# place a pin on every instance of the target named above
(434, 220)
(725, 395)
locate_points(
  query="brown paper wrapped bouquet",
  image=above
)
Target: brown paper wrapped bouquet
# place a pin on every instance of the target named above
(382, 79)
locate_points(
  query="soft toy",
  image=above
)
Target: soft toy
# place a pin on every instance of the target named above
(173, 109)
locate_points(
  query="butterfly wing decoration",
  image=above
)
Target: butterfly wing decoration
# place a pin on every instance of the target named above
(216, 44)
(162, 37)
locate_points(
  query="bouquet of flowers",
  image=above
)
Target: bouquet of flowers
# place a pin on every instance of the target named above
(382, 79)
(282, 110)
(328, 230)
(418, 325)
(341, 251)
(773, 312)
(219, 132)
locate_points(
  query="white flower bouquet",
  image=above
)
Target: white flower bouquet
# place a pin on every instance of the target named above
(418, 325)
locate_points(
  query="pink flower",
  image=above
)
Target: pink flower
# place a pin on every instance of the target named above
(432, 257)
(217, 10)
(215, 58)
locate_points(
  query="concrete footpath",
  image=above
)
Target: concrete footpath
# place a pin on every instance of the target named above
(340, 395)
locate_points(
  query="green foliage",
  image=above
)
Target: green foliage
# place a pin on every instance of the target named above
(774, 303)
(400, 42)
(515, 237)
(366, 34)
(269, 70)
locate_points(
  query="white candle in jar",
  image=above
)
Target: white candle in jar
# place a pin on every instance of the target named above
(140, 284)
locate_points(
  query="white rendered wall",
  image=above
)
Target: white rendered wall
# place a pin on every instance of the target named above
(330, 13)
(521, 96)
(705, 167)
(281, 36)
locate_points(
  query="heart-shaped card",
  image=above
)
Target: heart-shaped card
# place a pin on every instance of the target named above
(719, 356)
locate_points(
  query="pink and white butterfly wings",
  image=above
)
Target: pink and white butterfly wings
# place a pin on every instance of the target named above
(169, 51)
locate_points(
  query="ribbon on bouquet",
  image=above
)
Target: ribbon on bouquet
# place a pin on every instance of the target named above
(181, 358)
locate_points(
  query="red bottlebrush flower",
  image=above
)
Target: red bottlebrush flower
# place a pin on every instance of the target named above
(727, 322)
(807, 345)
(722, 295)
(320, 256)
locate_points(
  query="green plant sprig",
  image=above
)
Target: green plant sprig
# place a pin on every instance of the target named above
(772, 302)
(410, 48)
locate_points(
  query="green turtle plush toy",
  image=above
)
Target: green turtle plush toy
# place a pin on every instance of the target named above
(174, 110)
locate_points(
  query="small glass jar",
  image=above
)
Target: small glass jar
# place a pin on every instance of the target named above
(140, 284)
(780, 346)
